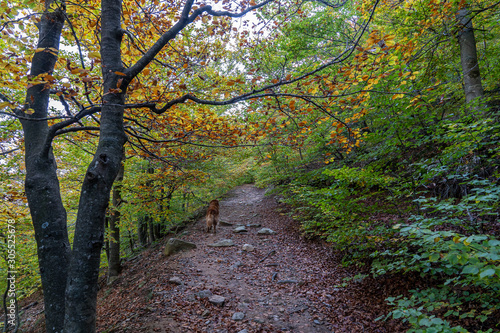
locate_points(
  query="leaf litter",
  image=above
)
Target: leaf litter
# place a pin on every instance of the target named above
(287, 284)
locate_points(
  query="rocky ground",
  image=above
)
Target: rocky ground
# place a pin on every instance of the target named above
(276, 282)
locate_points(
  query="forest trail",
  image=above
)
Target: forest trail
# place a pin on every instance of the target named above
(287, 284)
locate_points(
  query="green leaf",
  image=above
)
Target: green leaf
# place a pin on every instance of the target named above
(434, 257)
(470, 269)
(425, 322)
(488, 272)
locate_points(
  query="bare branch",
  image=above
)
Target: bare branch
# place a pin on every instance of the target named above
(30, 118)
(9, 151)
(77, 129)
(85, 112)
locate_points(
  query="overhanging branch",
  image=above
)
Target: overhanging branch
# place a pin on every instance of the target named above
(185, 19)
(266, 91)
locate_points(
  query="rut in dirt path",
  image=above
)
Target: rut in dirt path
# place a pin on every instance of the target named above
(286, 284)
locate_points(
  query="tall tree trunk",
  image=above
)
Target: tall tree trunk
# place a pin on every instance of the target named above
(82, 286)
(41, 184)
(142, 230)
(468, 57)
(114, 266)
(151, 228)
(131, 241)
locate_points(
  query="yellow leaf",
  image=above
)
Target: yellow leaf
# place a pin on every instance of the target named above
(95, 55)
(390, 43)
(120, 73)
(4, 104)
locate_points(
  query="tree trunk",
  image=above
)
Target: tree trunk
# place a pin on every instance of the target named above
(41, 184)
(82, 286)
(106, 244)
(142, 230)
(158, 229)
(131, 241)
(151, 228)
(468, 57)
(114, 266)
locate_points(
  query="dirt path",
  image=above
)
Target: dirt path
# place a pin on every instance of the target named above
(286, 284)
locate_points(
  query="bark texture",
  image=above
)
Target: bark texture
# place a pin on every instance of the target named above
(468, 56)
(82, 286)
(41, 184)
(114, 266)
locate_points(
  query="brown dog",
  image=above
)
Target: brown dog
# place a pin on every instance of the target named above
(212, 215)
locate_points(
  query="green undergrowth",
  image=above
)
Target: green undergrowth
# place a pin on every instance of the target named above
(425, 204)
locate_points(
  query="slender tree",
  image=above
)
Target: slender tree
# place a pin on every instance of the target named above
(473, 87)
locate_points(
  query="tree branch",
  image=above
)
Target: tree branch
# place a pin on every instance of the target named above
(9, 151)
(183, 22)
(262, 91)
(76, 129)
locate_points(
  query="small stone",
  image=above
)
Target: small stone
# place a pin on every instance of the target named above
(253, 225)
(237, 316)
(235, 265)
(317, 322)
(112, 279)
(175, 245)
(217, 300)
(248, 248)
(175, 280)
(243, 306)
(266, 231)
(240, 229)
(225, 224)
(222, 243)
(204, 294)
(243, 331)
(205, 313)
